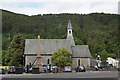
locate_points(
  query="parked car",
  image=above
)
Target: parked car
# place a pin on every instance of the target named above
(30, 70)
(24, 69)
(44, 67)
(54, 69)
(49, 67)
(80, 68)
(11, 69)
(67, 69)
(2, 71)
(100, 67)
(96, 68)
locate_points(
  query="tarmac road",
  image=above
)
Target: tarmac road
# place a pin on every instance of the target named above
(65, 76)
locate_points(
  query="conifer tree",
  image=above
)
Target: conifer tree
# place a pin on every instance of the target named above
(14, 56)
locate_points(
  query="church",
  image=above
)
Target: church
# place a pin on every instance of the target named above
(80, 53)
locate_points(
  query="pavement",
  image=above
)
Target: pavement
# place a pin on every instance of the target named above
(81, 75)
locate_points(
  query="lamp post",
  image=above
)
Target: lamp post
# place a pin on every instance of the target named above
(118, 59)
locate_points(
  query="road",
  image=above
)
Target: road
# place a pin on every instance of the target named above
(86, 75)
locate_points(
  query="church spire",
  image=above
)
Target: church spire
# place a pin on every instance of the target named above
(69, 33)
(69, 24)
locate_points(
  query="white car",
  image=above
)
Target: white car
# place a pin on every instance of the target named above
(67, 69)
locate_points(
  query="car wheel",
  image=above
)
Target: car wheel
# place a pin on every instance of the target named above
(45, 71)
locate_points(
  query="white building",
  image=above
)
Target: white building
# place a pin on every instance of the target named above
(112, 61)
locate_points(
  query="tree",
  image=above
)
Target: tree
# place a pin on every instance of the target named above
(61, 58)
(14, 56)
(3, 56)
(112, 55)
(103, 55)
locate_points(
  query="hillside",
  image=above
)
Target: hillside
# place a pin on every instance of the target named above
(98, 30)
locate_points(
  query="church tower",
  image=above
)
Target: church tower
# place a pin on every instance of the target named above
(69, 33)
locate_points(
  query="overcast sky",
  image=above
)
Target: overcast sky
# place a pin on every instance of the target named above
(34, 7)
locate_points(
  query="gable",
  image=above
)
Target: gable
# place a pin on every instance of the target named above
(80, 51)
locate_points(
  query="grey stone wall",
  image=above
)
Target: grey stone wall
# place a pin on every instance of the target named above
(83, 61)
(31, 59)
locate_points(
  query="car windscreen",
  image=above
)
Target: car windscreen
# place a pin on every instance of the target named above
(43, 65)
(11, 68)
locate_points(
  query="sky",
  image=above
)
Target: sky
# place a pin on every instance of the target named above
(34, 7)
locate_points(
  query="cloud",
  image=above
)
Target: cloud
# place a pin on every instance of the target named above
(60, 1)
(42, 7)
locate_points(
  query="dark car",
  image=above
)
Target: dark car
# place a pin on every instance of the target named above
(80, 68)
(2, 71)
(11, 69)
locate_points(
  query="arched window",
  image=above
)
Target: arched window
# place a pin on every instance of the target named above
(69, 32)
(48, 61)
(78, 62)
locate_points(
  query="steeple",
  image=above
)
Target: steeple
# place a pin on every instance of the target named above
(69, 33)
(69, 24)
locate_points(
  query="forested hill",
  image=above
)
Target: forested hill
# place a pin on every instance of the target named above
(98, 30)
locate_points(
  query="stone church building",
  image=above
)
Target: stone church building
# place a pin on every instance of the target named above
(80, 53)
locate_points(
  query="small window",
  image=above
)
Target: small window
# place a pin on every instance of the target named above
(69, 32)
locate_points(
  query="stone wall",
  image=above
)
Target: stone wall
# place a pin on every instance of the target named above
(31, 59)
(83, 61)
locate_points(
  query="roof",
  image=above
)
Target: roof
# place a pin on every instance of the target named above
(47, 46)
(80, 51)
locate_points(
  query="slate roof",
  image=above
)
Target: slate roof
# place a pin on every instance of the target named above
(47, 46)
(80, 51)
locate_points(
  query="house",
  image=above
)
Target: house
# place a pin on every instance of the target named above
(112, 62)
